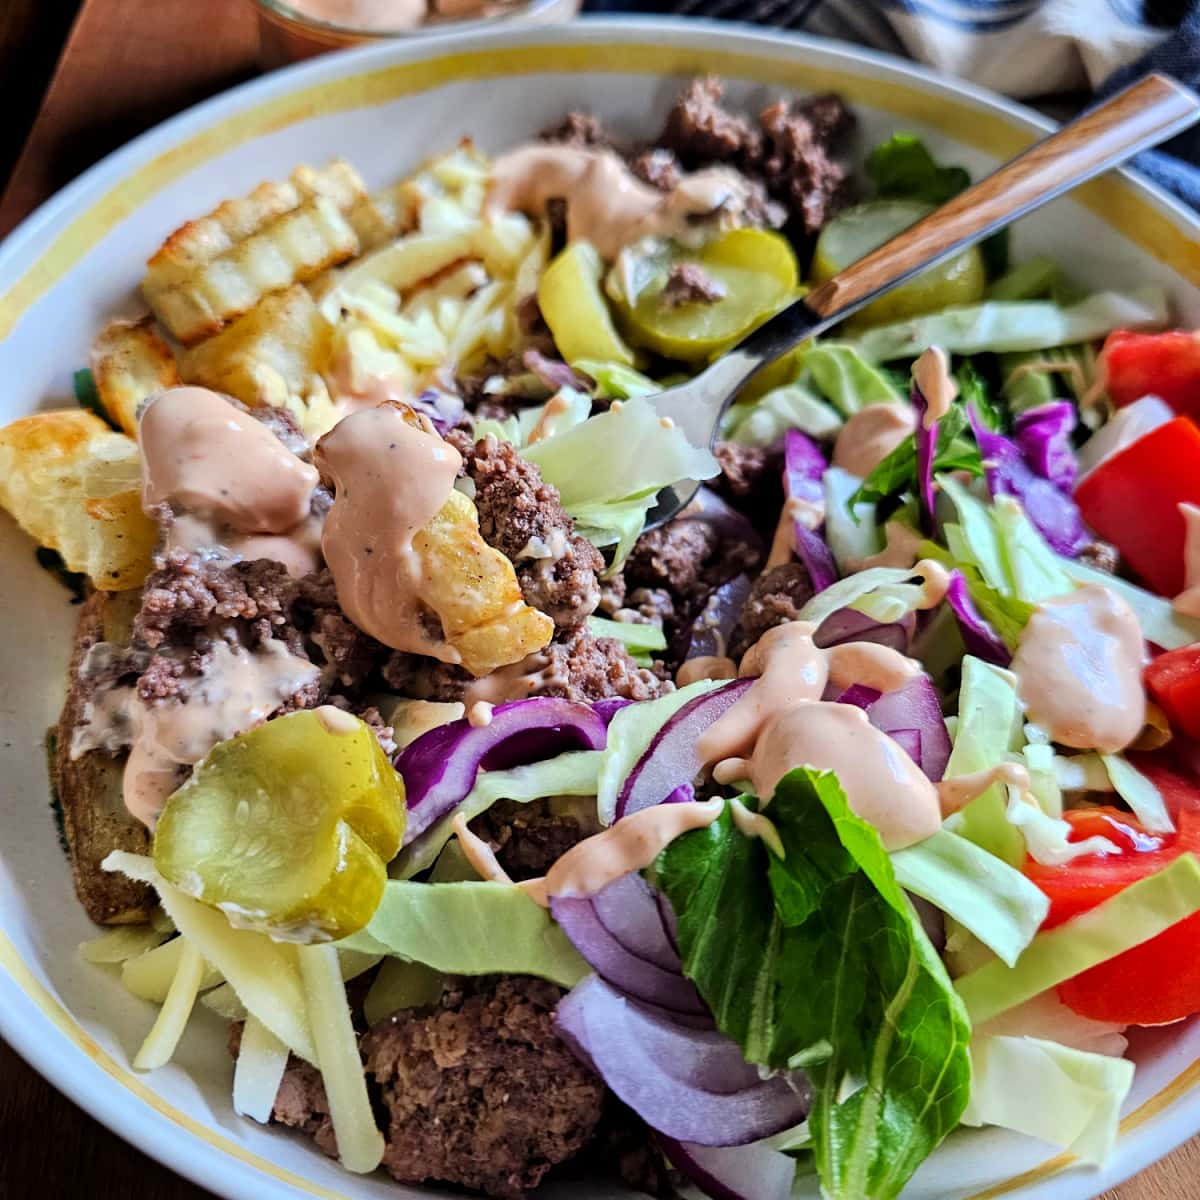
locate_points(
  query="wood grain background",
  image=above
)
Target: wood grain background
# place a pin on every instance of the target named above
(126, 65)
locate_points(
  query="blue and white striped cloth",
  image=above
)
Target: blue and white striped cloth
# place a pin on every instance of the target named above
(1024, 48)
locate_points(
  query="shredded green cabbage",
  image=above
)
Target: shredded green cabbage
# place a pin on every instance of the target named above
(852, 533)
(1139, 793)
(988, 724)
(609, 468)
(764, 421)
(1161, 623)
(982, 892)
(159, 1047)
(477, 928)
(1067, 1097)
(1141, 911)
(846, 379)
(517, 428)
(616, 381)
(149, 975)
(999, 325)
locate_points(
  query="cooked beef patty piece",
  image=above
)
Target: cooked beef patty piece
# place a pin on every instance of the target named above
(777, 596)
(529, 838)
(521, 516)
(480, 1091)
(577, 665)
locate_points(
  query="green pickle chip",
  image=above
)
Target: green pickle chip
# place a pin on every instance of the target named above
(756, 270)
(287, 828)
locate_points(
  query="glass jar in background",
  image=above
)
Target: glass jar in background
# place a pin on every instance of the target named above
(290, 30)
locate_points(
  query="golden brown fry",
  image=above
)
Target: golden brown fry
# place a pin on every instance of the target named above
(75, 486)
(268, 354)
(212, 270)
(474, 591)
(131, 363)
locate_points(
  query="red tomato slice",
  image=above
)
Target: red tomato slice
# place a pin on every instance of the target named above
(1173, 679)
(1158, 364)
(1151, 984)
(1132, 500)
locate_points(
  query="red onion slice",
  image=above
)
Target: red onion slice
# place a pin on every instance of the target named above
(850, 625)
(671, 759)
(440, 767)
(753, 1172)
(803, 470)
(712, 629)
(629, 909)
(916, 706)
(693, 1086)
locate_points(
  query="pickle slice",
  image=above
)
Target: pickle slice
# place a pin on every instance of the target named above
(574, 307)
(757, 272)
(287, 828)
(856, 232)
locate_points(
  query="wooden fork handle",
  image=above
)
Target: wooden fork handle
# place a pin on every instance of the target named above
(1138, 117)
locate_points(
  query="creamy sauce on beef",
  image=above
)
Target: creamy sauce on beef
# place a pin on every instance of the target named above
(706, 666)
(607, 204)
(1079, 670)
(391, 475)
(870, 435)
(239, 689)
(235, 489)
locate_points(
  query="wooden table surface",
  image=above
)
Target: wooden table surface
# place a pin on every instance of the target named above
(126, 65)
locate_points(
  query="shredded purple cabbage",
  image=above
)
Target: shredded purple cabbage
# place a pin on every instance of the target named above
(978, 636)
(1044, 436)
(803, 471)
(925, 441)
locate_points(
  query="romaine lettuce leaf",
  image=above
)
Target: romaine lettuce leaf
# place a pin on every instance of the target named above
(470, 929)
(1002, 908)
(998, 325)
(819, 958)
(1141, 911)
(1067, 1097)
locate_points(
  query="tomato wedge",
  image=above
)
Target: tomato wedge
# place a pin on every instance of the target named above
(1151, 984)
(1132, 499)
(1173, 679)
(1153, 364)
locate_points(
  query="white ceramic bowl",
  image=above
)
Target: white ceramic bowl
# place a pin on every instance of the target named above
(77, 261)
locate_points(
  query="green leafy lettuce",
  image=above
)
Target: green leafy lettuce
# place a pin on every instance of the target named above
(819, 959)
(476, 928)
(903, 169)
(609, 468)
(640, 639)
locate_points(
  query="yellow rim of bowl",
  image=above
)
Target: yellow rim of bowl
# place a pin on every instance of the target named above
(1113, 199)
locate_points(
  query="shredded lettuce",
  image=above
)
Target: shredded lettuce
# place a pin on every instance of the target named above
(1002, 908)
(988, 729)
(1139, 793)
(630, 734)
(851, 591)
(616, 381)
(261, 1062)
(359, 1142)
(517, 428)
(846, 379)
(571, 774)
(609, 468)
(1047, 838)
(149, 975)
(1141, 911)
(640, 639)
(1067, 1097)
(764, 421)
(475, 928)
(999, 325)
(1048, 1018)
(851, 530)
(1036, 571)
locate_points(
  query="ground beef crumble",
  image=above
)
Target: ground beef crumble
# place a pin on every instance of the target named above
(578, 129)
(480, 1091)
(776, 596)
(521, 516)
(690, 283)
(529, 838)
